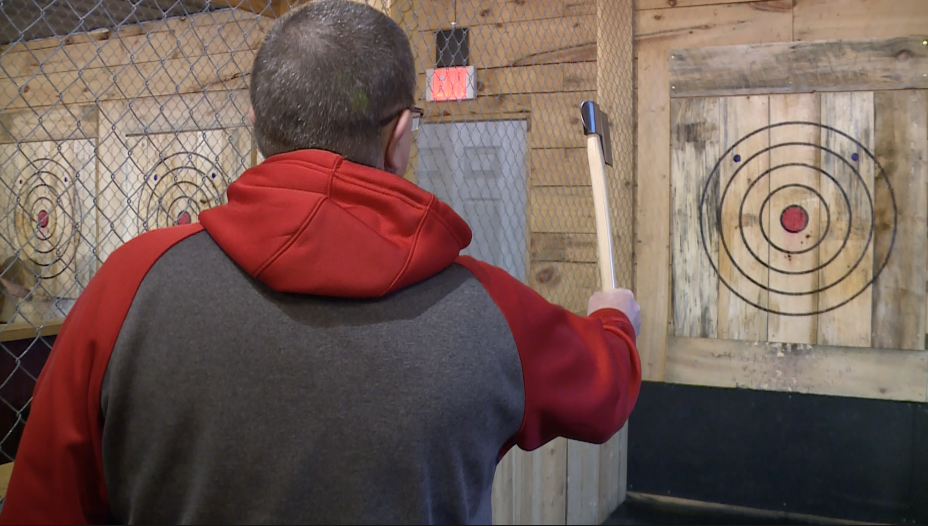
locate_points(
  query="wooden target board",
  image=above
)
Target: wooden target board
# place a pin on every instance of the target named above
(798, 223)
(185, 173)
(47, 214)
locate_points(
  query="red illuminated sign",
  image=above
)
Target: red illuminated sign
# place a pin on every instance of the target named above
(446, 84)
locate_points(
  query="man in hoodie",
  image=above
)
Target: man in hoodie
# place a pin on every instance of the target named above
(316, 350)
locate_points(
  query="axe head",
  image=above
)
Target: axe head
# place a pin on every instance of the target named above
(596, 122)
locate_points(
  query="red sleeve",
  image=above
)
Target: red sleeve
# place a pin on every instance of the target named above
(58, 471)
(582, 374)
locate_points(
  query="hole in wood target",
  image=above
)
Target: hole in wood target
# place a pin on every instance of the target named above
(178, 188)
(817, 220)
(47, 216)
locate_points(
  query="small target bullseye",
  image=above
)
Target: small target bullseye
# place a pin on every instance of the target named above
(794, 219)
(42, 219)
(183, 218)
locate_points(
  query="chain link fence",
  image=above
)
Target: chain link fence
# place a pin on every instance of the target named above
(118, 117)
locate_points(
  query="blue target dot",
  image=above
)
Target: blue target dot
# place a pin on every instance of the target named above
(737, 158)
(214, 176)
(855, 157)
(156, 178)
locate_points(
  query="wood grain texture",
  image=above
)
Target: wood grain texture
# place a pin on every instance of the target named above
(556, 120)
(547, 246)
(547, 78)
(899, 296)
(641, 5)
(785, 163)
(652, 248)
(559, 167)
(503, 490)
(583, 472)
(884, 374)
(695, 132)
(49, 124)
(714, 25)
(615, 95)
(842, 19)
(743, 255)
(800, 67)
(568, 39)
(562, 209)
(24, 330)
(567, 284)
(852, 114)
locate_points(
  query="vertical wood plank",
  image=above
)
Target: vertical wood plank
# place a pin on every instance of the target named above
(652, 283)
(899, 293)
(554, 482)
(852, 114)
(694, 152)
(615, 92)
(582, 483)
(743, 253)
(502, 500)
(798, 253)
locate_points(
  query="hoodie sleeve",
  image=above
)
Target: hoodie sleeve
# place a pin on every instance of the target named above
(582, 374)
(58, 471)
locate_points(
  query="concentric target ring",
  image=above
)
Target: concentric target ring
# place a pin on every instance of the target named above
(47, 216)
(844, 240)
(822, 236)
(178, 194)
(711, 205)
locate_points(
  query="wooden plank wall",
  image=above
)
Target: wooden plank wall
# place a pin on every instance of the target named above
(663, 25)
(168, 76)
(535, 61)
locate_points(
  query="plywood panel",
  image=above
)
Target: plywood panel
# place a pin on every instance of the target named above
(818, 369)
(743, 254)
(842, 19)
(800, 67)
(850, 270)
(695, 132)
(901, 120)
(715, 25)
(492, 107)
(794, 254)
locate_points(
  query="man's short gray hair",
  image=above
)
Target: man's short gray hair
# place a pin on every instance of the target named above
(327, 75)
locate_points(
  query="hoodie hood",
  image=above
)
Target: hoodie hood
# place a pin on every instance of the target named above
(312, 222)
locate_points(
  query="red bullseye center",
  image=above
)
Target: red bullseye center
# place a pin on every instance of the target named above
(183, 218)
(794, 219)
(42, 218)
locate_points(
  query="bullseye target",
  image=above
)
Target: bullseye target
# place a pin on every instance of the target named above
(47, 216)
(178, 188)
(820, 219)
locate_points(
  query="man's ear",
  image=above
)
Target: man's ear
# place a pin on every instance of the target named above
(251, 115)
(399, 140)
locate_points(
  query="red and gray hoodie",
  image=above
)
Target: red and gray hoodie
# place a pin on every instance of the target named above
(314, 351)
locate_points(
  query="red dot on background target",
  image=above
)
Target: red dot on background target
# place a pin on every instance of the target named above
(183, 218)
(794, 219)
(42, 219)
